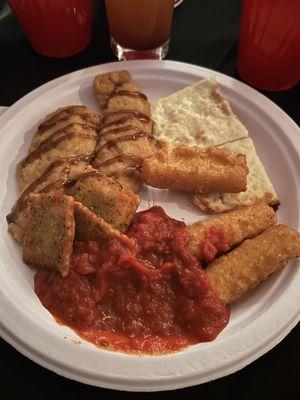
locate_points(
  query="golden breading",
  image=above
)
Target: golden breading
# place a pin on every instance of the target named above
(195, 169)
(106, 197)
(62, 119)
(105, 84)
(51, 180)
(231, 228)
(67, 133)
(253, 261)
(259, 186)
(89, 226)
(49, 234)
(125, 137)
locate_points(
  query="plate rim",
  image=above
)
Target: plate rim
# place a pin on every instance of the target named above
(144, 64)
(154, 64)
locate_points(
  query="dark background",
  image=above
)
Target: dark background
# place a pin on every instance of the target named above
(205, 32)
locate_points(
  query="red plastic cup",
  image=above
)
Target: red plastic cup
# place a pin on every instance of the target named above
(55, 28)
(269, 44)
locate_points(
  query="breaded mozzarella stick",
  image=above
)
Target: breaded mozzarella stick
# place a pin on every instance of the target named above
(253, 261)
(218, 234)
(196, 169)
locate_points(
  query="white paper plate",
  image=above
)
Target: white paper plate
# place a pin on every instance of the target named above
(259, 320)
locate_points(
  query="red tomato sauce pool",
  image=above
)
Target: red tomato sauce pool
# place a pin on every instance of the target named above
(140, 293)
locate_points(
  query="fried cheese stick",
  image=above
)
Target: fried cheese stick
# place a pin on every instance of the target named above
(253, 261)
(215, 235)
(195, 169)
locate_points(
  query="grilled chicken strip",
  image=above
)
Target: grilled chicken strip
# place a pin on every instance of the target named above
(69, 132)
(125, 137)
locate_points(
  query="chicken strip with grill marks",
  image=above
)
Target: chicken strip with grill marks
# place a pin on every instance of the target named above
(69, 132)
(125, 137)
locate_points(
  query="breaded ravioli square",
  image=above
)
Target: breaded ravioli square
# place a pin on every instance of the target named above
(49, 233)
(89, 226)
(106, 197)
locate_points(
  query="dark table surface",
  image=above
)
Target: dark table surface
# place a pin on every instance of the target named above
(205, 32)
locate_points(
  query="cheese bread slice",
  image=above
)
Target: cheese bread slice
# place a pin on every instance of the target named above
(197, 115)
(259, 187)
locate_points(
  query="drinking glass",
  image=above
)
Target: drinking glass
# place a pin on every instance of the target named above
(55, 28)
(269, 44)
(140, 28)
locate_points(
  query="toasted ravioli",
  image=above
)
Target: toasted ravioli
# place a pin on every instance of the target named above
(49, 233)
(259, 186)
(67, 133)
(194, 169)
(218, 234)
(106, 197)
(197, 115)
(89, 226)
(52, 180)
(253, 261)
(125, 137)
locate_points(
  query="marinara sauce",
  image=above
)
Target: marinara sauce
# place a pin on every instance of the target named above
(142, 292)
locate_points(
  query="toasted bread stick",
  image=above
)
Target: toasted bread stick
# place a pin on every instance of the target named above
(218, 234)
(253, 261)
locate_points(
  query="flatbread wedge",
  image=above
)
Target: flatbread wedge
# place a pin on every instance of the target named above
(198, 115)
